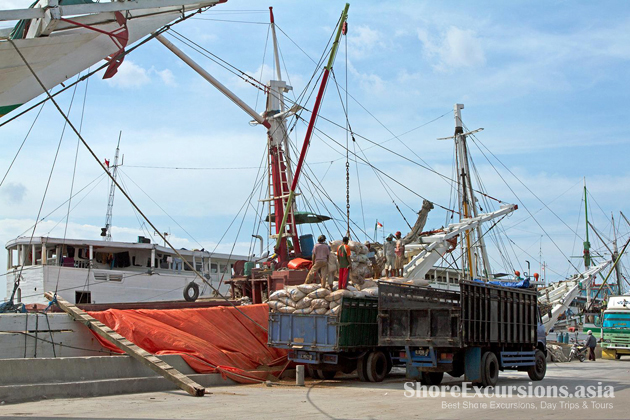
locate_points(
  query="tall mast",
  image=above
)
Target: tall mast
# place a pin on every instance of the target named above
(467, 203)
(587, 245)
(616, 255)
(309, 131)
(106, 232)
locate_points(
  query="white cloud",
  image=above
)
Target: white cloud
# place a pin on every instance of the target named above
(132, 76)
(454, 48)
(13, 192)
(362, 40)
(166, 75)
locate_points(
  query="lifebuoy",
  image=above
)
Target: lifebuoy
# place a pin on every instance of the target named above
(195, 292)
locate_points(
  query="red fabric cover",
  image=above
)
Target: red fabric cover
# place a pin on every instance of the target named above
(210, 340)
(300, 263)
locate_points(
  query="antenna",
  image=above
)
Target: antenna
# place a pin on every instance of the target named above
(106, 232)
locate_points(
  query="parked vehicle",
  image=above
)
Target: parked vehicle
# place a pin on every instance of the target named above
(615, 329)
(477, 332)
(578, 352)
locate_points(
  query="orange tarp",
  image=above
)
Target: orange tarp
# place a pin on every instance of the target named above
(219, 339)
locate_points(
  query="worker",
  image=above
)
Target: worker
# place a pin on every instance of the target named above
(591, 343)
(400, 255)
(390, 256)
(321, 250)
(343, 256)
(371, 256)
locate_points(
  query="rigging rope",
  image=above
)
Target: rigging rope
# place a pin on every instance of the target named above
(189, 265)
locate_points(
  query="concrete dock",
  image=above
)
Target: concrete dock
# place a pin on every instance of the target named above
(347, 398)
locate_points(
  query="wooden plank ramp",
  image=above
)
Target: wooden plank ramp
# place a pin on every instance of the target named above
(143, 356)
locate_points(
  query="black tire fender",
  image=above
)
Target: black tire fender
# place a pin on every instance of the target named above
(195, 292)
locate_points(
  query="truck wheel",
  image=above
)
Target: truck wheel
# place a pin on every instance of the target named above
(376, 365)
(490, 369)
(432, 378)
(326, 374)
(362, 369)
(617, 356)
(390, 364)
(537, 372)
(313, 373)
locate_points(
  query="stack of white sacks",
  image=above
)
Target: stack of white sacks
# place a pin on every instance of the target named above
(314, 299)
(360, 268)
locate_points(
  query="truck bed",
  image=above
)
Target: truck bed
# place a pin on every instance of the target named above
(479, 315)
(354, 328)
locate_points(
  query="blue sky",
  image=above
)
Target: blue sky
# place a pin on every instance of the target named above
(548, 82)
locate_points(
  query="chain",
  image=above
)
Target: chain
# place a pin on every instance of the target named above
(348, 193)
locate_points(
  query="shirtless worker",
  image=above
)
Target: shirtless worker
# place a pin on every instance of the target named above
(321, 251)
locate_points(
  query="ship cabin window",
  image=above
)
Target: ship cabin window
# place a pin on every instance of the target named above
(82, 297)
(214, 268)
(223, 268)
(14, 257)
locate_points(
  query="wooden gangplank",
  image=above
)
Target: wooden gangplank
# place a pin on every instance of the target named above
(143, 356)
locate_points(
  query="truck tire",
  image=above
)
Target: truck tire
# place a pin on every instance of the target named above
(538, 371)
(376, 366)
(490, 369)
(326, 374)
(313, 373)
(617, 356)
(432, 378)
(362, 369)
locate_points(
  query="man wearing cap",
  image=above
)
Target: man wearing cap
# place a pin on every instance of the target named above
(389, 250)
(591, 343)
(400, 255)
(321, 251)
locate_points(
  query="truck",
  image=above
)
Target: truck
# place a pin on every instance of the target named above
(615, 328)
(476, 332)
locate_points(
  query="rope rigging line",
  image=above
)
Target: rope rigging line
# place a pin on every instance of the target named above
(262, 66)
(376, 144)
(74, 171)
(120, 171)
(317, 190)
(475, 141)
(41, 206)
(384, 173)
(104, 65)
(100, 176)
(28, 133)
(188, 264)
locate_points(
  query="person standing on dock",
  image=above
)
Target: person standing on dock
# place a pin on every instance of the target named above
(321, 251)
(390, 256)
(591, 343)
(343, 256)
(400, 255)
